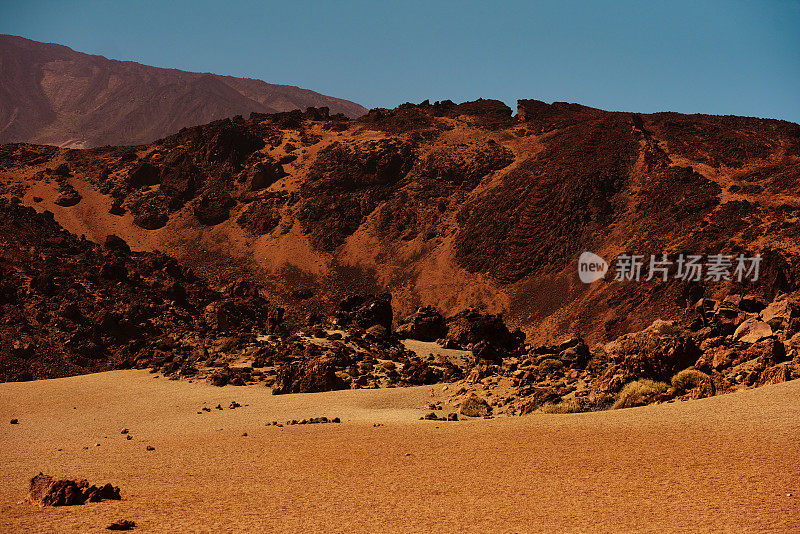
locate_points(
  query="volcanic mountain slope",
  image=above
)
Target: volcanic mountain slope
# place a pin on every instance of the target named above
(53, 95)
(445, 204)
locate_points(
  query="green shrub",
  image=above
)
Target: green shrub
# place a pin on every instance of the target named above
(688, 379)
(638, 393)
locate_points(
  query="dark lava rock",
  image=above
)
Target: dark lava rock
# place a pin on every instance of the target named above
(212, 209)
(426, 324)
(261, 216)
(62, 170)
(150, 212)
(68, 197)
(122, 524)
(114, 242)
(365, 311)
(144, 174)
(471, 326)
(264, 174)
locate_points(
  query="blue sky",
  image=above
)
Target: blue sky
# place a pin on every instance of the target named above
(720, 57)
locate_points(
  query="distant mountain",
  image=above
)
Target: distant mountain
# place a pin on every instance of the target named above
(50, 94)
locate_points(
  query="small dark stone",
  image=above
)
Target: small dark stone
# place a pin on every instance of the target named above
(122, 524)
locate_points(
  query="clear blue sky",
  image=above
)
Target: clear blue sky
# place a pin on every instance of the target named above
(721, 57)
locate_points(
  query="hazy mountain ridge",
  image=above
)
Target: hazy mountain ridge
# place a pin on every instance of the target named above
(50, 94)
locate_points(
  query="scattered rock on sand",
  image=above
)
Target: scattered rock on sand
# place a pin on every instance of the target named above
(313, 421)
(122, 524)
(433, 417)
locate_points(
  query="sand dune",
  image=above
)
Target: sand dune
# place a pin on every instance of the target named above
(720, 464)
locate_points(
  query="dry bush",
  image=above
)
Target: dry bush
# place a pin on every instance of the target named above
(638, 393)
(688, 379)
(567, 406)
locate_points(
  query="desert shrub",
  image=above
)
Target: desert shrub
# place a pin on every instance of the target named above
(567, 406)
(638, 392)
(688, 379)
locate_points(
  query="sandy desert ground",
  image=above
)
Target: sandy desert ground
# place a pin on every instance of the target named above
(725, 464)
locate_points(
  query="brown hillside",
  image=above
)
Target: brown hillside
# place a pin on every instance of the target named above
(444, 204)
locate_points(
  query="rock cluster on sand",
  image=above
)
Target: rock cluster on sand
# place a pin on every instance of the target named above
(138, 309)
(46, 491)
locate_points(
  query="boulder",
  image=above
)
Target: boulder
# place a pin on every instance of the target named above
(752, 304)
(151, 211)
(68, 197)
(777, 312)
(261, 217)
(122, 524)
(425, 324)
(471, 326)
(144, 174)
(114, 242)
(377, 331)
(264, 174)
(752, 330)
(62, 170)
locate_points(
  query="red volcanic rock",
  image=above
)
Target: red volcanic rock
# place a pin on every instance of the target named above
(312, 375)
(705, 389)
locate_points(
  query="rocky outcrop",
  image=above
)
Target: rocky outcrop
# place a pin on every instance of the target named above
(366, 311)
(471, 327)
(92, 308)
(426, 324)
(309, 376)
